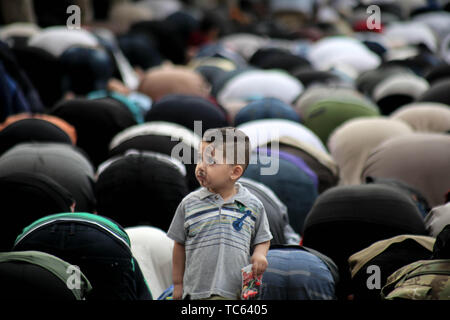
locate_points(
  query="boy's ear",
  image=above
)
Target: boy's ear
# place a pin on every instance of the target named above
(237, 172)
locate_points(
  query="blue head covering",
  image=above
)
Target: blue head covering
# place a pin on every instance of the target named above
(291, 184)
(266, 108)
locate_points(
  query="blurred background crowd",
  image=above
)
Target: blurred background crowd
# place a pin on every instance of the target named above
(97, 121)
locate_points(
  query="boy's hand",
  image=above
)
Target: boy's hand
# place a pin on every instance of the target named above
(177, 291)
(258, 259)
(259, 262)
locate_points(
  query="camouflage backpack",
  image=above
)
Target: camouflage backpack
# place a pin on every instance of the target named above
(420, 280)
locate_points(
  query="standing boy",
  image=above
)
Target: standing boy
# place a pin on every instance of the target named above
(216, 227)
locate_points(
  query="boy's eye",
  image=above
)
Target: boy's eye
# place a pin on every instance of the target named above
(206, 158)
(210, 160)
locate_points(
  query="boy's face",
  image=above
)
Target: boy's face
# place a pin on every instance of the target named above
(211, 171)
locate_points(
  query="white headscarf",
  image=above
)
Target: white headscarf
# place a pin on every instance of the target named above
(153, 250)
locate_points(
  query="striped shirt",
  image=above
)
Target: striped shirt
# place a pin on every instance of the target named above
(218, 237)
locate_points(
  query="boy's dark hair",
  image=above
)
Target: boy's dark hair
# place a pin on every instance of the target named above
(232, 142)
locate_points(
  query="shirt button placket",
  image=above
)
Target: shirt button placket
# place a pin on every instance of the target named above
(216, 201)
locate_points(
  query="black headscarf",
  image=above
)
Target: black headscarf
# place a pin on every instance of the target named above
(441, 249)
(275, 58)
(16, 71)
(62, 162)
(139, 50)
(162, 144)
(347, 219)
(97, 121)
(28, 196)
(438, 92)
(437, 73)
(309, 77)
(165, 35)
(140, 189)
(29, 130)
(86, 69)
(184, 110)
(44, 71)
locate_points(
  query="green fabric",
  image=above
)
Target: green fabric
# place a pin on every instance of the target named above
(81, 216)
(51, 263)
(421, 280)
(327, 114)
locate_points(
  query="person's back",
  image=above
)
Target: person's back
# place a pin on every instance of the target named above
(296, 274)
(96, 244)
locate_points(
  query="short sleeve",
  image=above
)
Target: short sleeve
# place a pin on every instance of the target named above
(176, 230)
(262, 229)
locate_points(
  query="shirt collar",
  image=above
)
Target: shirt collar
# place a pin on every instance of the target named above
(241, 196)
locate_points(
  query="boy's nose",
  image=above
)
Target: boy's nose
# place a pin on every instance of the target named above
(200, 170)
(200, 166)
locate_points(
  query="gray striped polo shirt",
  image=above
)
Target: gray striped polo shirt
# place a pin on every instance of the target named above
(218, 237)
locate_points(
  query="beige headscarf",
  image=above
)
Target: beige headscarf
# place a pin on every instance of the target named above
(351, 143)
(421, 160)
(170, 79)
(122, 15)
(425, 116)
